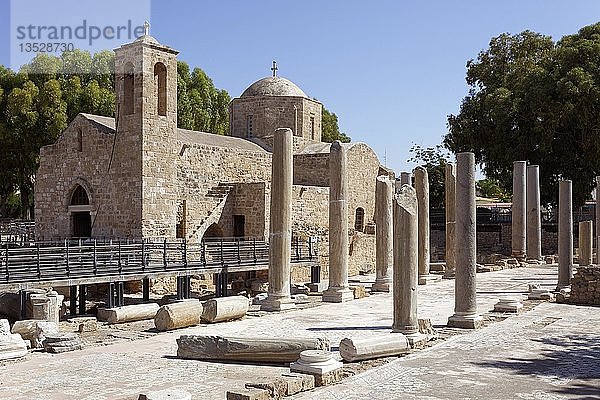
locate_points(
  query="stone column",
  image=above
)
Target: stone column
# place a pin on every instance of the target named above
(519, 208)
(586, 243)
(406, 265)
(534, 218)
(465, 286)
(597, 219)
(383, 234)
(422, 190)
(565, 234)
(450, 206)
(280, 225)
(405, 179)
(338, 290)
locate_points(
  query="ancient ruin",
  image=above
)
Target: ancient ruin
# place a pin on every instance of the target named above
(178, 264)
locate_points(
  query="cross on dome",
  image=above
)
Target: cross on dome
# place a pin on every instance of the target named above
(274, 68)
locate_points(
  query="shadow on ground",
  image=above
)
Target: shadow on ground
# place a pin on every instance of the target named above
(570, 363)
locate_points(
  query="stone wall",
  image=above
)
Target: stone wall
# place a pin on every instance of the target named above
(311, 169)
(585, 286)
(203, 167)
(272, 112)
(363, 169)
(63, 167)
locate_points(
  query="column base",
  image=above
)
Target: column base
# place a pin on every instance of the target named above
(428, 279)
(277, 304)
(519, 255)
(465, 321)
(338, 294)
(381, 286)
(415, 339)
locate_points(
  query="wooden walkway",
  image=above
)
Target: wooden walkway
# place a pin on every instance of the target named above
(72, 263)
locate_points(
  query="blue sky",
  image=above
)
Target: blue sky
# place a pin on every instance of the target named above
(391, 70)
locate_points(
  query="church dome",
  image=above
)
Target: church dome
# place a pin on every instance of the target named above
(273, 86)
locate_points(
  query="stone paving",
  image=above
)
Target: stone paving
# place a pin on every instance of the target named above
(551, 352)
(520, 356)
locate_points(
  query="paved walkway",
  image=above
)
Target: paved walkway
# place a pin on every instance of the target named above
(538, 355)
(551, 352)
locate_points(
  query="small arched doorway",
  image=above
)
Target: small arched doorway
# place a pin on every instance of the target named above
(81, 218)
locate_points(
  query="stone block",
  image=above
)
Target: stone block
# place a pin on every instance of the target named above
(43, 329)
(277, 387)
(338, 295)
(307, 381)
(540, 294)
(248, 394)
(62, 342)
(465, 321)
(507, 304)
(319, 287)
(359, 291)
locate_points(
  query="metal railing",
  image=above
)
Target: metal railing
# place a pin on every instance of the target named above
(17, 231)
(69, 260)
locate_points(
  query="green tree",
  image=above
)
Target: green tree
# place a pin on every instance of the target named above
(200, 105)
(490, 188)
(434, 159)
(330, 131)
(536, 100)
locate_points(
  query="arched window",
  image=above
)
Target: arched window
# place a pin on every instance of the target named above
(128, 89)
(79, 140)
(359, 219)
(79, 197)
(160, 79)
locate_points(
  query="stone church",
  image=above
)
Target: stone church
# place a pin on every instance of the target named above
(139, 176)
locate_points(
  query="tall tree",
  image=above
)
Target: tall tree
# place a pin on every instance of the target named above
(434, 159)
(536, 100)
(200, 105)
(330, 131)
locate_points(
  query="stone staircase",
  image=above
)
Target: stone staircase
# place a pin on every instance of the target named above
(220, 193)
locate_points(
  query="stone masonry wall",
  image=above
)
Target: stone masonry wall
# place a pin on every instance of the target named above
(202, 167)
(585, 286)
(272, 112)
(311, 169)
(63, 167)
(159, 134)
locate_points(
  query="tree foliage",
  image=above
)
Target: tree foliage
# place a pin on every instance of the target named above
(434, 159)
(490, 188)
(533, 99)
(200, 106)
(330, 131)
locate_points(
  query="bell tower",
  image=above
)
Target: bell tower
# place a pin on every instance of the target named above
(146, 129)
